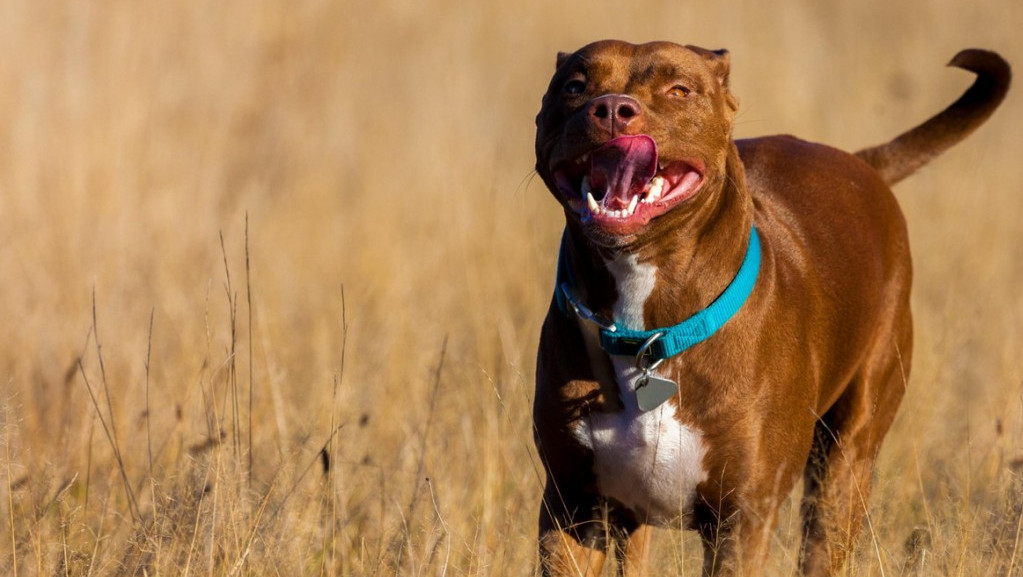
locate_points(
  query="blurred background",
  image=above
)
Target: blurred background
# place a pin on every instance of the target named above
(272, 274)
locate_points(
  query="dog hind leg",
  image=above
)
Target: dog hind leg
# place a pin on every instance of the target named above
(846, 442)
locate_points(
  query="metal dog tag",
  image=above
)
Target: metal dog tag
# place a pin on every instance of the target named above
(652, 391)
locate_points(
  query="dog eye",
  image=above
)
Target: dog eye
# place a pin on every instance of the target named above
(678, 91)
(574, 86)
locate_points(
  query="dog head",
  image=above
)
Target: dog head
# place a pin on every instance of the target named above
(630, 137)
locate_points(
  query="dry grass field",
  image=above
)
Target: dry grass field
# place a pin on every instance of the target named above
(272, 274)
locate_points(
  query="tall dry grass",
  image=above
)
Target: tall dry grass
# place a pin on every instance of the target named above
(271, 275)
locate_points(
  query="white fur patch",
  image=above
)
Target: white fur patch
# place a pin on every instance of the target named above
(634, 282)
(651, 461)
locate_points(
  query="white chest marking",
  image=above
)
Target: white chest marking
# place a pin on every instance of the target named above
(651, 462)
(634, 282)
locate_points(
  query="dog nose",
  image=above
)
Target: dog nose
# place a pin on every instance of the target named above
(615, 112)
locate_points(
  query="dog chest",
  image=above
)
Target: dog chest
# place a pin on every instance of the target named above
(650, 461)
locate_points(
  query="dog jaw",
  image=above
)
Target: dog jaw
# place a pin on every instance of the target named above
(622, 194)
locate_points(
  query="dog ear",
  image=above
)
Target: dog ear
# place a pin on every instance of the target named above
(718, 60)
(720, 64)
(562, 58)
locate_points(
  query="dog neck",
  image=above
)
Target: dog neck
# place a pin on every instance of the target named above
(664, 278)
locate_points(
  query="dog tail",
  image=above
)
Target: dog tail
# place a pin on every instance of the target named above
(899, 158)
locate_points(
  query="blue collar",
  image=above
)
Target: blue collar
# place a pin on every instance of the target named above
(664, 343)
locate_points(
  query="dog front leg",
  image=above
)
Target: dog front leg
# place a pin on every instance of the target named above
(563, 554)
(574, 534)
(574, 552)
(738, 544)
(634, 557)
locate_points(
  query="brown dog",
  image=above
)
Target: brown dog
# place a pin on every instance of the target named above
(729, 315)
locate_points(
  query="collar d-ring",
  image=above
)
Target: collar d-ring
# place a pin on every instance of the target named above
(643, 359)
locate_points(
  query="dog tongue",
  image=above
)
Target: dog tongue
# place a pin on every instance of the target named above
(622, 167)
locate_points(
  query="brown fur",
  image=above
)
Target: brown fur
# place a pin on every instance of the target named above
(805, 379)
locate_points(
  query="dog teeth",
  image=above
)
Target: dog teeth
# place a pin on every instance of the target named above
(596, 208)
(656, 188)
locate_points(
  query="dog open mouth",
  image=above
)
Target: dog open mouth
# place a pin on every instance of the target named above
(621, 186)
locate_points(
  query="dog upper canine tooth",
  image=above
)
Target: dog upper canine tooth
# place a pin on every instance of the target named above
(591, 203)
(632, 205)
